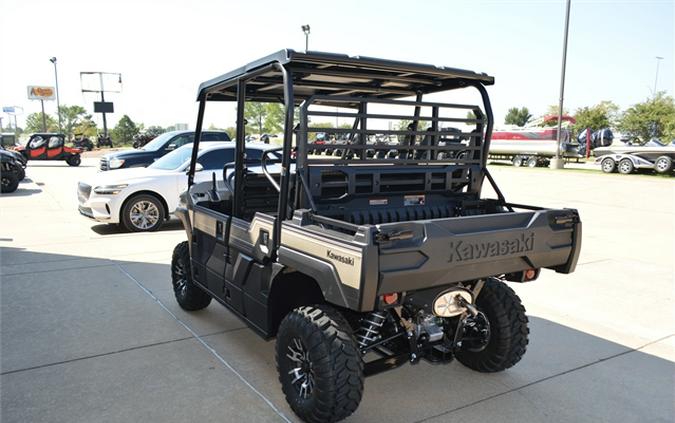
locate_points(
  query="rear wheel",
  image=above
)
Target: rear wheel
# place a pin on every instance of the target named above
(508, 331)
(663, 164)
(608, 165)
(626, 166)
(9, 182)
(319, 364)
(517, 161)
(74, 160)
(143, 213)
(532, 162)
(188, 295)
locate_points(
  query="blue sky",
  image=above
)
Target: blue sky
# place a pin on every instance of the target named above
(165, 49)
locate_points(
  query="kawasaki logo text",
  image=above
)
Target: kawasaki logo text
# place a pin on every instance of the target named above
(461, 251)
(337, 257)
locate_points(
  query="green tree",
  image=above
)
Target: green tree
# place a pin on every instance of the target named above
(255, 114)
(87, 127)
(601, 115)
(71, 117)
(274, 118)
(34, 123)
(516, 116)
(154, 130)
(124, 131)
(654, 117)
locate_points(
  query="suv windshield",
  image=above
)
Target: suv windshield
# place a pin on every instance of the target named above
(158, 142)
(174, 159)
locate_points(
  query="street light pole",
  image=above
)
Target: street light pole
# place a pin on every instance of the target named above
(56, 80)
(305, 29)
(558, 162)
(656, 78)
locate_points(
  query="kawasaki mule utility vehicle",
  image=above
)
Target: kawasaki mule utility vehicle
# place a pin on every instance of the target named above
(382, 255)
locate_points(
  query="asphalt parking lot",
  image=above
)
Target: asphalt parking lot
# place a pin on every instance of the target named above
(90, 331)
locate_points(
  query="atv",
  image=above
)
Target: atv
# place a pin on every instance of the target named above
(50, 146)
(20, 160)
(359, 263)
(83, 142)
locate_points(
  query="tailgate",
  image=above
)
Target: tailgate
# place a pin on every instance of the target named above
(437, 252)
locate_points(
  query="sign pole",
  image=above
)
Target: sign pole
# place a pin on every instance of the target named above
(44, 117)
(105, 122)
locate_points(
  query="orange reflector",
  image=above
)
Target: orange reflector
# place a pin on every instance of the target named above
(390, 298)
(530, 274)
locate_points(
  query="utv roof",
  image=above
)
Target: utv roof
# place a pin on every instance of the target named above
(336, 74)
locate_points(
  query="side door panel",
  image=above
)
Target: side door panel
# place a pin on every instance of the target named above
(210, 251)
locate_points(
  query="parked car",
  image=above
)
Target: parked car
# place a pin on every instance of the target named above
(163, 144)
(141, 199)
(50, 146)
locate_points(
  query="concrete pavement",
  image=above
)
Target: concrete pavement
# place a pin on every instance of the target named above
(90, 331)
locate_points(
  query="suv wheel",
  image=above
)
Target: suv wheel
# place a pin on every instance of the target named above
(143, 213)
(319, 364)
(188, 295)
(9, 182)
(508, 330)
(74, 160)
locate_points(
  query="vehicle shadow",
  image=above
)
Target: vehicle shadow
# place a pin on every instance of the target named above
(64, 164)
(567, 375)
(22, 192)
(113, 229)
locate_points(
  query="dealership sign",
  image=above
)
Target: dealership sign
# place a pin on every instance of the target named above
(36, 92)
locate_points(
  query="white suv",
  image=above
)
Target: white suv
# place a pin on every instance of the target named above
(141, 199)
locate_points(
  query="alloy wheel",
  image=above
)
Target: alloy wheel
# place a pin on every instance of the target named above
(144, 215)
(302, 373)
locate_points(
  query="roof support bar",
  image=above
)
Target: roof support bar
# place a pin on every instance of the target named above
(195, 144)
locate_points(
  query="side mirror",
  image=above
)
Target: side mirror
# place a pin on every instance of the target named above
(171, 146)
(198, 167)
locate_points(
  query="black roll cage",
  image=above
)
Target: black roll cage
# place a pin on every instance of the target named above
(389, 82)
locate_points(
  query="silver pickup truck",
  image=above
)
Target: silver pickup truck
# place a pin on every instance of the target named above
(381, 255)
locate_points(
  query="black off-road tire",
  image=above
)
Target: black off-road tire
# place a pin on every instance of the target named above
(21, 173)
(188, 295)
(336, 363)
(74, 160)
(508, 330)
(9, 182)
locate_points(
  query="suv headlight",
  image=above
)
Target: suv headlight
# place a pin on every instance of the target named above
(115, 163)
(110, 189)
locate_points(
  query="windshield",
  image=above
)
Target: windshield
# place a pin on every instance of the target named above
(173, 160)
(158, 142)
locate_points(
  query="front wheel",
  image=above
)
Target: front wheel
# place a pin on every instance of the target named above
(188, 295)
(508, 333)
(319, 364)
(74, 160)
(9, 182)
(143, 213)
